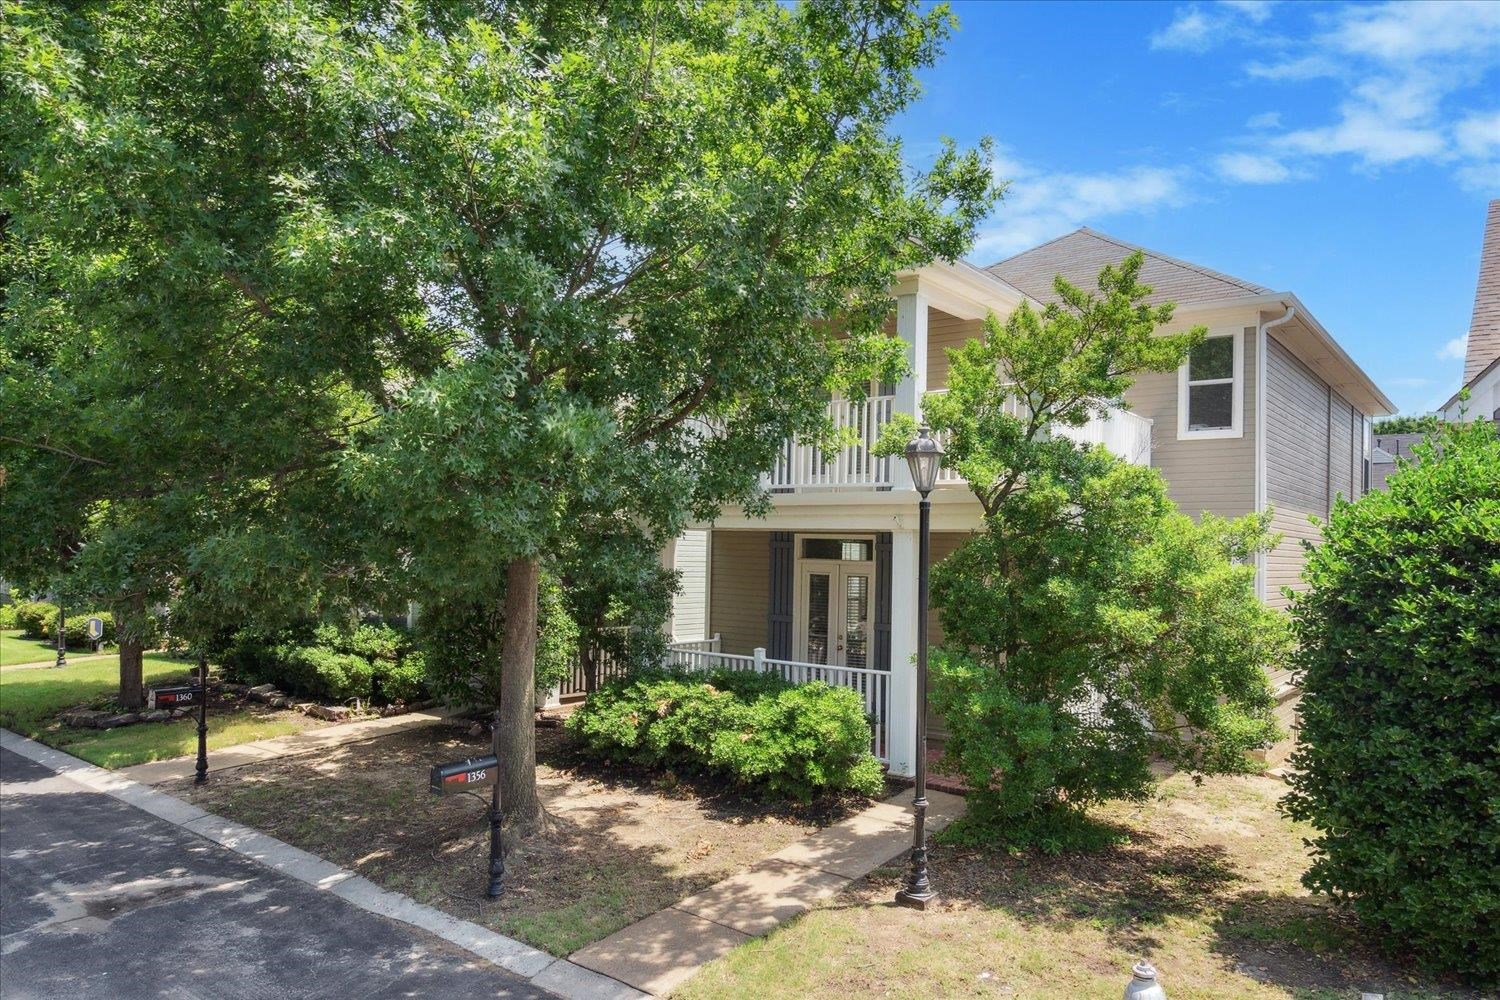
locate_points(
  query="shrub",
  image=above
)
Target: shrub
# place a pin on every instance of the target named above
(75, 627)
(326, 674)
(37, 619)
(757, 730)
(1400, 671)
(7, 616)
(328, 662)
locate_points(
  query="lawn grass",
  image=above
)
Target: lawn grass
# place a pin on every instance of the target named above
(130, 745)
(16, 648)
(31, 699)
(1206, 885)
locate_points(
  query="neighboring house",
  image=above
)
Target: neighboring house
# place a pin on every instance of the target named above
(1269, 411)
(1482, 355)
(1388, 449)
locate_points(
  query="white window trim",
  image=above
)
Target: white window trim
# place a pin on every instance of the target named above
(1236, 405)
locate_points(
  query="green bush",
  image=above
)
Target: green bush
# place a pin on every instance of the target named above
(37, 619)
(1400, 671)
(7, 616)
(75, 628)
(756, 729)
(328, 662)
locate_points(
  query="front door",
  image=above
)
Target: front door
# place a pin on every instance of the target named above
(835, 612)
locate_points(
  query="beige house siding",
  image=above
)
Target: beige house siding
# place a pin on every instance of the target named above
(740, 588)
(690, 607)
(1284, 563)
(943, 545)
(1213, 474)
(945, 331)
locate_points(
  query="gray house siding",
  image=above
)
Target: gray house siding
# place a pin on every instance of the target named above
(1212, 474)
(1314, 452)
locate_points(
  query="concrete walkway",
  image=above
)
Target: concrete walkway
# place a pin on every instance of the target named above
(658, 953)
(292, 745)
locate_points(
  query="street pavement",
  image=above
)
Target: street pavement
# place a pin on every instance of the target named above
(101, 900)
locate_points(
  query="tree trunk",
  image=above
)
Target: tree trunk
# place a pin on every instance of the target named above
(520, 805)
(130, 629)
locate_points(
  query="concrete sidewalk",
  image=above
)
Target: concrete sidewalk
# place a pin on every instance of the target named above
(311, 741)
(658, 953)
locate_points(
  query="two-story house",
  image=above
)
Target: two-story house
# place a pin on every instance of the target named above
(1268, 412)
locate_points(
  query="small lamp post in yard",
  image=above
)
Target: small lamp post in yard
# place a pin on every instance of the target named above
(925, 456)
(201, 772)
(62, 640)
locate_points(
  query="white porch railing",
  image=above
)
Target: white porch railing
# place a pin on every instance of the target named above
(873, 686)
(802, 466)
(1125, 434)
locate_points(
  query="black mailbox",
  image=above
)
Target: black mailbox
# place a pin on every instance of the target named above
(174, 697)
(464, 775)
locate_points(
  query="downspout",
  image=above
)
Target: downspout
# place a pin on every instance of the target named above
(1262, 423)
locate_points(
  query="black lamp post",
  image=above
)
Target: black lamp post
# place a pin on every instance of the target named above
(925, 456)
(62, 639)
(200, 772)
(496, 887)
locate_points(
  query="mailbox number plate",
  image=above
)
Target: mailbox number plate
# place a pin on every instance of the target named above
(464, 775)
(175, 697)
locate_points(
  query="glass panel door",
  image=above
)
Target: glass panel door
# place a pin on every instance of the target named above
(819, 598)
(855, 618)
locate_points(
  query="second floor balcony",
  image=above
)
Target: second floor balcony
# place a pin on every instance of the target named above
(805, 467)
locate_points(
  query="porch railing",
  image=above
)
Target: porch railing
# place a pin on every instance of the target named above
(873, 686)
(803, 466)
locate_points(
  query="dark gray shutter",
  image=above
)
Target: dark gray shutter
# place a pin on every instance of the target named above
(883, 601)
(779, 614)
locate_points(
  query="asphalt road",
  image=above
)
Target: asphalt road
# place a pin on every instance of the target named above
(101, 900)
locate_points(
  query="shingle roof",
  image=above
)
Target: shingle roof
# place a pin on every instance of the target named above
(1484, 327)
(1081, 254)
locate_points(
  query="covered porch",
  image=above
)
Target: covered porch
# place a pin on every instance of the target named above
(827, 603)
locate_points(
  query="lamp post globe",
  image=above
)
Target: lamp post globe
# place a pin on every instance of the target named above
(925, 457)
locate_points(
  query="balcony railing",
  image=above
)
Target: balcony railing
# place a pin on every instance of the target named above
(803, 466)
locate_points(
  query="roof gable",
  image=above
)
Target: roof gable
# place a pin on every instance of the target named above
(1080, 255)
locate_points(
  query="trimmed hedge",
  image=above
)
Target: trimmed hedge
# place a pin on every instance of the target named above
(38, 620)
(1400, 671)
(329, 663)
(755, 729)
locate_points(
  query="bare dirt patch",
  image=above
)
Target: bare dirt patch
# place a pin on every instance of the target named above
(1206, 885)
(620, 846)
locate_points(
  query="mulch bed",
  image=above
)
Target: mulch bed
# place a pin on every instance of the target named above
(620, 844)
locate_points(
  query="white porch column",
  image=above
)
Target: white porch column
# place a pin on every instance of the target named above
(903, 705)
(911, 326)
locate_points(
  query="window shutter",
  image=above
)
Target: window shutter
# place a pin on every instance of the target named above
(882, 659)
(779, 612)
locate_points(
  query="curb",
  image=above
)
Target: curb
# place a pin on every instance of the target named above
(555, 975)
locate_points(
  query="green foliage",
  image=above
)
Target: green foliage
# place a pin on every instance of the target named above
(1428, 424)
(75, 628)
(755, 729)
(1091, 626)
(36, 619)
(327, 661)
(461, 645)
(7, 616)
(1399, 663)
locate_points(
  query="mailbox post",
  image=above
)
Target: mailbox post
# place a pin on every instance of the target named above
(201, 775)
(470, 775)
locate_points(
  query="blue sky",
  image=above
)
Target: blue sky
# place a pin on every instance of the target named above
(1341, 152)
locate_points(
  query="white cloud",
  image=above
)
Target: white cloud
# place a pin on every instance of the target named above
(1039, 206)
(1479, 134)
(1200, 27)
(1249, 168)
(1410, 74)
(1454, 349)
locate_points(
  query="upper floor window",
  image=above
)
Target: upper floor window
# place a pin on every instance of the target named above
(1211, 389)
